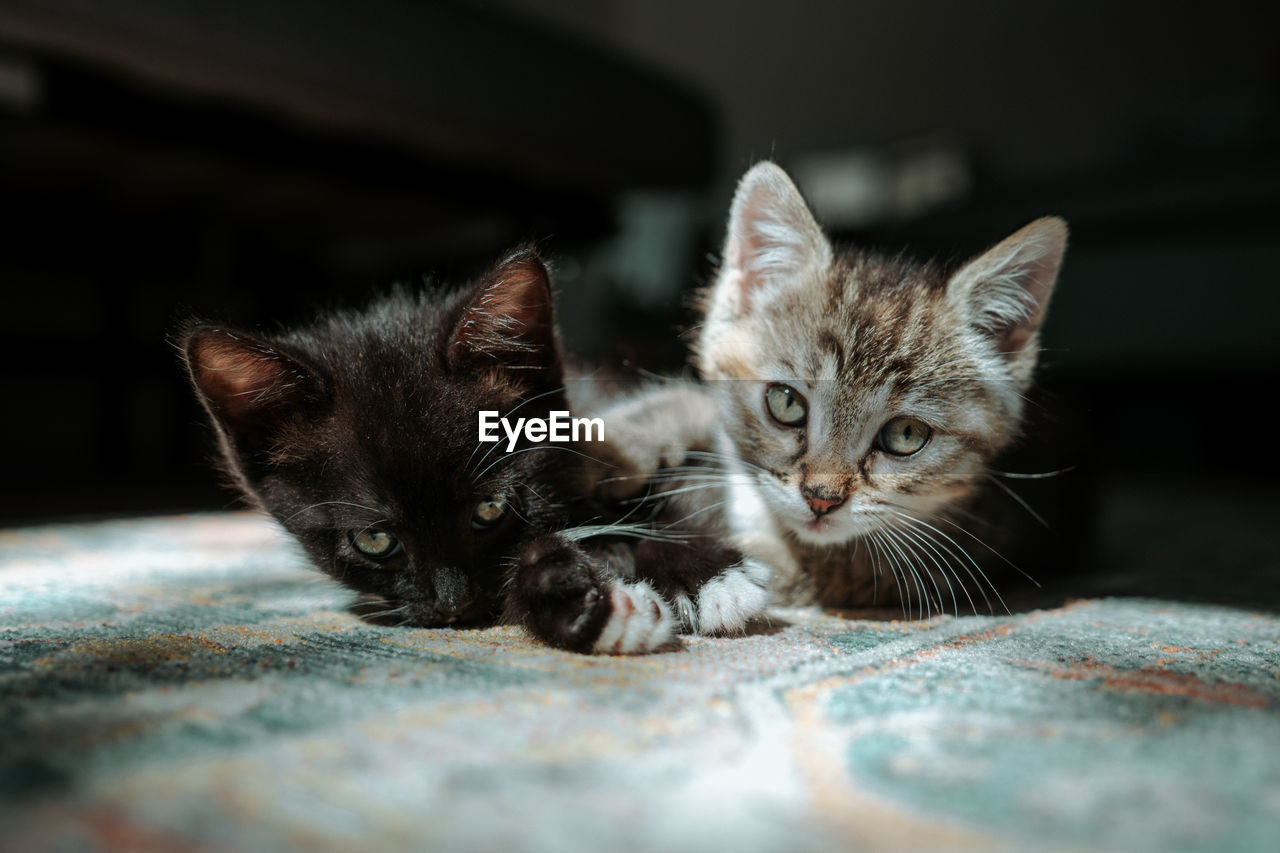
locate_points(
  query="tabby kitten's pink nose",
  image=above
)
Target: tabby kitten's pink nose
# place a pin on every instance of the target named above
(820, 503)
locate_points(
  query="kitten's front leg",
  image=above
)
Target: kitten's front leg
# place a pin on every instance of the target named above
(649, 431)
(731, 601)
(565, 598)
(716, 590)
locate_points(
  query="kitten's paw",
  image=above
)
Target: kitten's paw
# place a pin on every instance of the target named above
(649, 431)
(558, 596)
(726, 604)
(640, 621)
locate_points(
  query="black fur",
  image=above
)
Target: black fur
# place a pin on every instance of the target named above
(367, 421)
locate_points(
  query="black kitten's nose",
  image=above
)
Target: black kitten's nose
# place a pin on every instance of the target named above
(454, 595)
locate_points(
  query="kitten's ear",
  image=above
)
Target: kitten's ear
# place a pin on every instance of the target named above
(1005, 290)
(772, 240)
(509, 321)
(249, 387)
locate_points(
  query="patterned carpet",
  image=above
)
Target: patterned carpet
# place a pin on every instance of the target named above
(186, 683)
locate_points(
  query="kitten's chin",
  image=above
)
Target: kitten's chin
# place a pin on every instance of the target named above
(828, 530)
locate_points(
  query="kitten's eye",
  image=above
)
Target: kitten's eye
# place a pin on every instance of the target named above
(785, 405)
(489, 512)
(375, 544)
(904, 436)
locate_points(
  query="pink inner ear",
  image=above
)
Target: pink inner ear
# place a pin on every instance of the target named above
(747, 244)
(512, 312)
(236, 376)
(522, 294)
(1016, 340)
(1037, 279)
(1007, 289)
(772, 237)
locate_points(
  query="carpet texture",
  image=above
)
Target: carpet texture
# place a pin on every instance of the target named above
(187, 683)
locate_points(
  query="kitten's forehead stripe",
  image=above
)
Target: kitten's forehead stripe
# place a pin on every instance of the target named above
(812, 364)
(830, 342)
(837, 285)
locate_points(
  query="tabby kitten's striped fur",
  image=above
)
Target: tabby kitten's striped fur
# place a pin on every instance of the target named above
(862, 400)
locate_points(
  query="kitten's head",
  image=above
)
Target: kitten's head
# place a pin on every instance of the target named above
(857, 386)
(359, 435)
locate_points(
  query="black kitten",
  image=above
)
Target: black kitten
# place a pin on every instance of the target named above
(359, 434)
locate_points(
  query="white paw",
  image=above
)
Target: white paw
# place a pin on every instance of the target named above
(727, 603)
(640, 622)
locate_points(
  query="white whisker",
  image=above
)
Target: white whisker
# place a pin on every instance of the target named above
(935, 557)
(1013, 475)
(497, 443)
(903, 565)
(509, 456)
(680, 491)
(909, 547)
(708, 508)
(920, 522)
(874, 542)
(964, 560)
(328, 503)
(1022, 503)
(635, 531)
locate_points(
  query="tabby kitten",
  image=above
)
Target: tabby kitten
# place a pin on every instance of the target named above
(860, 400)
(359, 435)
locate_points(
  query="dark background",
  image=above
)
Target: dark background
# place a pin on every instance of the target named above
(251, 162)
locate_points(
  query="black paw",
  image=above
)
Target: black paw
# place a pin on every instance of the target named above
(566, 604)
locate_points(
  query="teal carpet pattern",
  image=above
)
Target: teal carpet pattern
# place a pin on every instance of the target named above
(188, 684)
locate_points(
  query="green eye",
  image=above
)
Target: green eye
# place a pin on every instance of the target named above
(489, 512)
(904, 436)
(374, 543)
(786, 405)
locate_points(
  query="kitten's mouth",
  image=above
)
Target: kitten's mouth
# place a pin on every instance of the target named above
(472, 617)
(476, 616)
(823, 531)
(830, 529)
(819, 525)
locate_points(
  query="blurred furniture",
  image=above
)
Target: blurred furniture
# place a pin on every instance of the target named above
(251, 161)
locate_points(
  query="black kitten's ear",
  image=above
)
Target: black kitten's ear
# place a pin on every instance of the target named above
(249, 387)
(509, 321)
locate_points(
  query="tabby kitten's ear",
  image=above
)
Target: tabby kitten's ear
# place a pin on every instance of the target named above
(773, 241)
(509, 322)
(1004, 291)
(250, 388)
